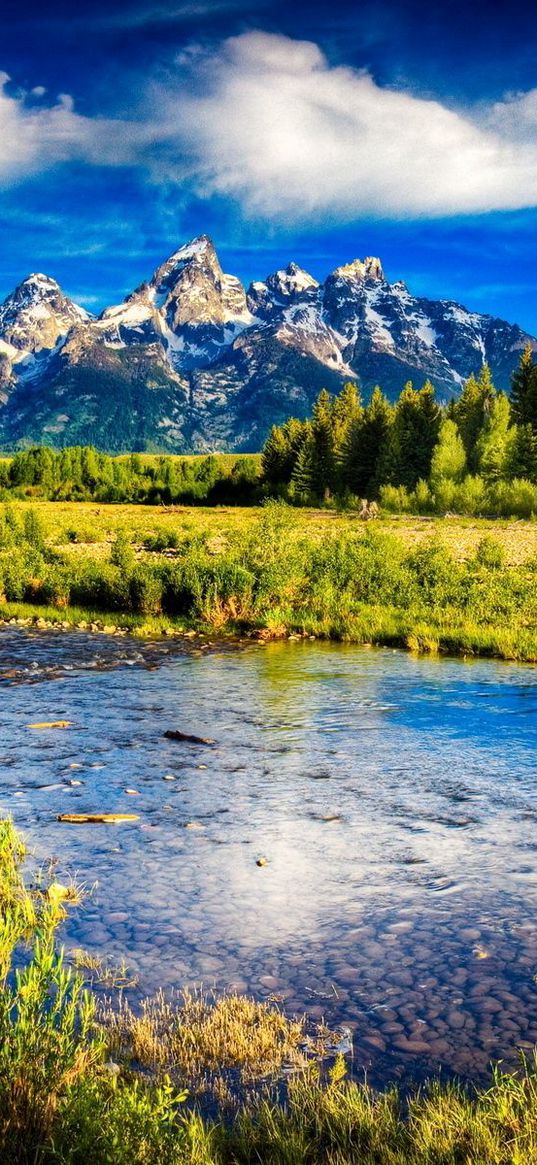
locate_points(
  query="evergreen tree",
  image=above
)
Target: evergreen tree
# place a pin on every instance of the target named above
(281, 451)
(524, 411)
(323, 465)
(303, 474)
(495, 443)
(413, 437)
(449, 458)
(366, 446)
(524, 390)
(524, 453)
(470, 411)
(347, 421)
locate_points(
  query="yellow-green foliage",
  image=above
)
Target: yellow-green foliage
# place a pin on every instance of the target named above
(273, 571)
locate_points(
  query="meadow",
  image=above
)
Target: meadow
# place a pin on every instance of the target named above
(458, 585)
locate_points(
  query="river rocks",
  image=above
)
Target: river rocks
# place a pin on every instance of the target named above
(187, 737)
(415, 1046)
(456, 1020)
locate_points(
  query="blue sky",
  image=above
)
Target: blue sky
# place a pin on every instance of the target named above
(313, 131)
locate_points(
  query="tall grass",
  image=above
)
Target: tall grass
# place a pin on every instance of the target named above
(273, 576)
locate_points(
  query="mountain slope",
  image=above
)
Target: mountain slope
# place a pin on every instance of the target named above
(190, 360)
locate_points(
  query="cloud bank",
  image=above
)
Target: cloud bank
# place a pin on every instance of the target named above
(267, 122)
(36, 135)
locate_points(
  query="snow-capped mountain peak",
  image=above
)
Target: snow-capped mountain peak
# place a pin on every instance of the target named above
(211, 366)
(360, 269)
(37, 314)
(288, 285)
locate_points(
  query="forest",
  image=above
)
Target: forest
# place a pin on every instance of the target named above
(477, 455)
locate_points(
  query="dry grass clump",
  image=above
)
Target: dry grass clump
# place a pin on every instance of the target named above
(99, 970)
(198, 1036)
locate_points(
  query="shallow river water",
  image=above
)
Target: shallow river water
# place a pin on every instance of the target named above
(394, 798)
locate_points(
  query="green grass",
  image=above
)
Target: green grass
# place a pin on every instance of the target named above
(81, 1085)
(459, 587)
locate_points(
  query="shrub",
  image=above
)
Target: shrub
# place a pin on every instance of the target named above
(489, 553)
(122, 552)
(162, 540)
(394, 499)
(470, 496)
(145, 591)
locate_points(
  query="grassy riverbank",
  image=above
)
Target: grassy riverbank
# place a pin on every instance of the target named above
(458, 586)
(80, 1083)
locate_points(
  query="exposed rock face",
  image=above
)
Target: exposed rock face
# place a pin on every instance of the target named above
(190, 360)
(37, 314)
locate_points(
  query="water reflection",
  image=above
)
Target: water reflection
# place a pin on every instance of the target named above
(393, 797)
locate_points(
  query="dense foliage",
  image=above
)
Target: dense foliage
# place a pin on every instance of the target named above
(80, 473)
(359, 583)
(478, 455)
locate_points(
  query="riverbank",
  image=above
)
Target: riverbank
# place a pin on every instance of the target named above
(274, 575)
(372, 627)
(78, 1083)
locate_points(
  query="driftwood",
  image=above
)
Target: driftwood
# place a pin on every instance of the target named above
(96, 818)
(187, 737)
(50, 724)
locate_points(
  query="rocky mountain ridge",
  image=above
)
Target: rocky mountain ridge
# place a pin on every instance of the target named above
(191, 360)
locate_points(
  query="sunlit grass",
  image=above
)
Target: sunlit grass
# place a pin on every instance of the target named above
(271, 573)
(216, 1042)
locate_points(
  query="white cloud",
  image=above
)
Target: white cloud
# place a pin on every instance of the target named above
(36, 135)
(267, 122)
(275, 127)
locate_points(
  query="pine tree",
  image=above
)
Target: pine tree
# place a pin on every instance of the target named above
(302, 477)
(495, 443)
(367, 445)
(323, 469)
(347, 420)
(449, 458)
(524, 453)
(524, 411)
(275, 456)
(524, 390)
(281, 451)
(414, 436)
(470, 411)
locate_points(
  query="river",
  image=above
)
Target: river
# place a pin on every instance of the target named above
(392, 796)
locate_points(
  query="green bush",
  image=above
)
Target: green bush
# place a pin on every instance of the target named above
(394, 499)
(145, 590)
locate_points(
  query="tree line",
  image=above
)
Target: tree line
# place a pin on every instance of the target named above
(480, 450)
(475, 455)
(81, 473)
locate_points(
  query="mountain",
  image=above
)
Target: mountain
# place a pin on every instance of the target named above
(193, 361)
